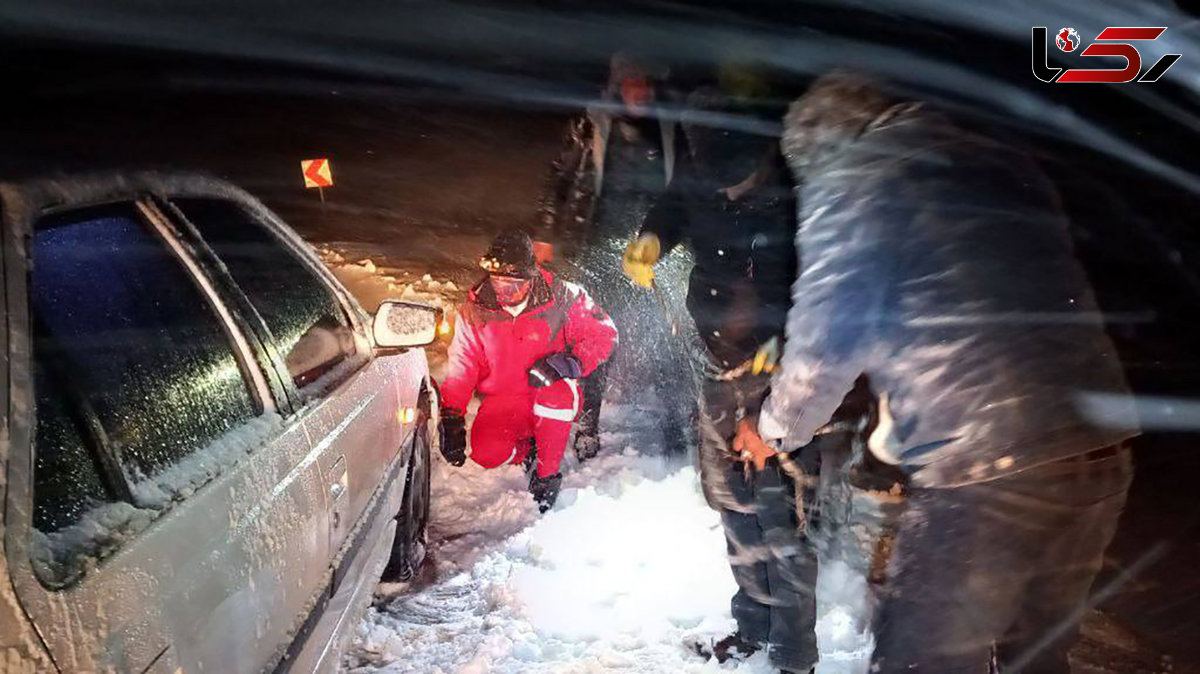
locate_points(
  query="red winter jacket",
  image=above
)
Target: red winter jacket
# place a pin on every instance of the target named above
(492, 350)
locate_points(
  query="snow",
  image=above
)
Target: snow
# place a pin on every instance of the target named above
(574, 586)
(61, 556)
(626, 569)
(372, 279)
(182, 479)
(843, 625)
(623, 574)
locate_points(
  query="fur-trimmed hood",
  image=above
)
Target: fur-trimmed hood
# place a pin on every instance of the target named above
(835, 111)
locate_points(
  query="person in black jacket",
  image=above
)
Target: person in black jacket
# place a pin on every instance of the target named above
(617, 160)
(937, 264)
(730, 203)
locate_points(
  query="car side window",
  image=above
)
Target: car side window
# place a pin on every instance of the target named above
(306, 320)
(133, 368)
(68, 478)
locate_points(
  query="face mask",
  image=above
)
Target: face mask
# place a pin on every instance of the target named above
(510, 290)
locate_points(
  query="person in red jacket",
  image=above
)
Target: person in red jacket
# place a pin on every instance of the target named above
(522, 341)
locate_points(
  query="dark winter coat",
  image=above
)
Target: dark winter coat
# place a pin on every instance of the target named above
(738, 291)
(937, 263)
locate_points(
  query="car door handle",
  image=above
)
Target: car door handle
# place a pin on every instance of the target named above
(338, 480)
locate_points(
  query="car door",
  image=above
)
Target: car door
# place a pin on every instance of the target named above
(164, 513)
(352, 407)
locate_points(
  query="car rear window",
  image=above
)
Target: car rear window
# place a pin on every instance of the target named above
(306, 320)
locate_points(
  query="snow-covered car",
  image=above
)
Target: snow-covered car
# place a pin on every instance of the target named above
(210, 450)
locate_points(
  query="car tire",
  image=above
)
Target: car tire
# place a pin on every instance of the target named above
(408, 548)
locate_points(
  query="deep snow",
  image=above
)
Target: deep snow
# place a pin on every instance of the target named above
(622, 575)
(615, 577)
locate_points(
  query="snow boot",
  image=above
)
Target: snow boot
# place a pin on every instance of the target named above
(587, 445)
(587, 436)
(545, 490)
(733, 647)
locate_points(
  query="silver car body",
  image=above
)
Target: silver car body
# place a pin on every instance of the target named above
(266, 565)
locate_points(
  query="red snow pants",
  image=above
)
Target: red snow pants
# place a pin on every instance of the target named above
(505, 425)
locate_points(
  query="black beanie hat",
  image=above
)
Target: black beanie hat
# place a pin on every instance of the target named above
(511, 254)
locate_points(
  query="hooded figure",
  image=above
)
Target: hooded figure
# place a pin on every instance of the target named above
(522, 341)
(937, 263)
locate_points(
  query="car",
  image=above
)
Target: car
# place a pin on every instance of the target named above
(210, 450)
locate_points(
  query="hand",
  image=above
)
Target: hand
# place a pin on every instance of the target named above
(545, 490)
(550, 369)
(452, 433)
(640, 258)
(750, 447)
(766, 357)
(739, 190)
(754, 180)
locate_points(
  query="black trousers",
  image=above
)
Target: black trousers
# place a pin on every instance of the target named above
(773, 563)
(1004, 565)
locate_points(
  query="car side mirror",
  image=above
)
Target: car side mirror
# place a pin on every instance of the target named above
(400, 325)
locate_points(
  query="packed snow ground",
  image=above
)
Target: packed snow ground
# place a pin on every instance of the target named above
(623, 574)
(615, 578)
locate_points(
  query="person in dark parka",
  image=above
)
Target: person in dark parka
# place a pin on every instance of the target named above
(937, 263)
(731, 204)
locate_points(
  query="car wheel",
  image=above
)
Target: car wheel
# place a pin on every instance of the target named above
(408, 549)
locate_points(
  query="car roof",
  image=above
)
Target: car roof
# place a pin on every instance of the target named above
(20, 202)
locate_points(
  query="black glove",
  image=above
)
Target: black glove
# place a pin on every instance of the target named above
(550, 369)
(545, 490)
(452, 433)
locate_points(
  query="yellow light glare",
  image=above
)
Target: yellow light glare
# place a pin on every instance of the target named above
(406, 415)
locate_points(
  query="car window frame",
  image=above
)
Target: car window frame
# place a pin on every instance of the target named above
(253, 326)
(19, 545)
(298, 398)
